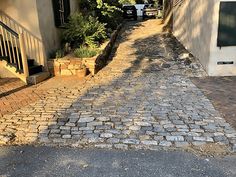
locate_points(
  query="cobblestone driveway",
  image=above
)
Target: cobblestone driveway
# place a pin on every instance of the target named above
(144, 98)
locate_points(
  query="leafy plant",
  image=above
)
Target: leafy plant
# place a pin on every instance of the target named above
(89, 5)
(109, 12)
(127, 2)
(60, 53)
(84, 30)
(85, 52)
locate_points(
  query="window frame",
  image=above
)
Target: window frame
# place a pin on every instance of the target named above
(61, 9)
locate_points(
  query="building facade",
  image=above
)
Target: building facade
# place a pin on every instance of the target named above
(38, 17)
(29, 32)
(207, 28)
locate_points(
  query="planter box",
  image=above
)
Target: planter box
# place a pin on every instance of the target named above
(81, 73)
(64, 66)
(70, 65)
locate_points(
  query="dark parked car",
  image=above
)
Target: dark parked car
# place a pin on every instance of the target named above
(130, 12)
(149, 11)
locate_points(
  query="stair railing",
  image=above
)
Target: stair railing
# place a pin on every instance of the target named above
(33, 45)
(12, 49)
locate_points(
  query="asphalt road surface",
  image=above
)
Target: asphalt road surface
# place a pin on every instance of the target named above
(29, 161)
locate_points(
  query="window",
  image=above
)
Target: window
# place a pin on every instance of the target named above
(61, 10)
(227, 24)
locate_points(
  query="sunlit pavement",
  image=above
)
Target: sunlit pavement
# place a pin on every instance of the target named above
(143, 99)
(14, 94)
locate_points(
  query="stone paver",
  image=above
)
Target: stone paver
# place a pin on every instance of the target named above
(144, 98)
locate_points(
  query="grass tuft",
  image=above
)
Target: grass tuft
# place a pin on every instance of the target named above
(85, 52)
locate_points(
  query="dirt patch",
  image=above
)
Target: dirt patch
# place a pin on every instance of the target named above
(210, 150)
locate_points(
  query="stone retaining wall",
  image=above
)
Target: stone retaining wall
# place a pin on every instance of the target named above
(102, 59)
(64, 67)
(70, 66)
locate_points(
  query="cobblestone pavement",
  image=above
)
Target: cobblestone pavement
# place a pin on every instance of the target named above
(144, 98)
(220, 90)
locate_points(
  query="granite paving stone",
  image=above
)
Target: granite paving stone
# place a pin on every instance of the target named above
(134, 102)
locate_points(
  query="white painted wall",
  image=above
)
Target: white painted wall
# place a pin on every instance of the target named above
(50, 34)
(192, 26)
(195, 25)
(220, 54)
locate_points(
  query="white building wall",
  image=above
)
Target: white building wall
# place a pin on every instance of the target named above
(195, 25)
(223, 54)
(51, 35)
(192, 26)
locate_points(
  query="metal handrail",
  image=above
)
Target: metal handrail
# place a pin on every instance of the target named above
(9, 29)
(12, 46)
(33, 45)
(23, 29)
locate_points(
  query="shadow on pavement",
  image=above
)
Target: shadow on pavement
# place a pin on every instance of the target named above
(220, 90)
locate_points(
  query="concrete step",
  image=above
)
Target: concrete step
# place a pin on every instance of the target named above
(37, 78)
(35, 69)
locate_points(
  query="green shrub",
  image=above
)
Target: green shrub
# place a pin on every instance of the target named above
(111, 21)
(109, 12)
(84, 30)
(60, 53)
(85, 52)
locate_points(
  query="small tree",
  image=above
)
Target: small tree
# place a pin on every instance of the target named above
(109, 12)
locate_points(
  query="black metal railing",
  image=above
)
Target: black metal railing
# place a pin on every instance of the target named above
(10, 47)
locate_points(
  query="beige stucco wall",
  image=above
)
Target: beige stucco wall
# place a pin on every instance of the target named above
(49, 33)
(192, 25)
(24, 12)
(38, 18)
(74, 5)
